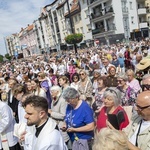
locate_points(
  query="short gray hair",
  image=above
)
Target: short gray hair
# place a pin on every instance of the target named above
(146, 76)
(70, 93)
(114, 93)
(123, 76)
(56, 88)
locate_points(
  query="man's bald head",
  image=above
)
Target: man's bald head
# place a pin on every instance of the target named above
(143, 105)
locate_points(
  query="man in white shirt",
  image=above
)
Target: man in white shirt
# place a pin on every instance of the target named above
(106, 65)
(46, 135)
(7, 140)
(138, 131)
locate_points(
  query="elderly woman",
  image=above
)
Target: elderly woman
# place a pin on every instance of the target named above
(108, 139)
(96, 75)
(112, 106)
(112, 79)
(58, 108)
(128, 95)
(79, 120)
(85, 87)
(132, 82)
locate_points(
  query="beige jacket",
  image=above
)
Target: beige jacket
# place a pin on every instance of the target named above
(143, 138)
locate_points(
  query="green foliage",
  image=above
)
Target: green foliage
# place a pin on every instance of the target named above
(74, 38)
(8, 56)
(1, 58)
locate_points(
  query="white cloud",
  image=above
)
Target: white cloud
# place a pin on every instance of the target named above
(15, 14)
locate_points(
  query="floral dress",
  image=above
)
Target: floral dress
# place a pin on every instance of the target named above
(128, 96)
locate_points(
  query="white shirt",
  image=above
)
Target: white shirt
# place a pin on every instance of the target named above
(144, 126)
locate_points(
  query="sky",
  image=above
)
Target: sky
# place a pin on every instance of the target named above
(17, 14)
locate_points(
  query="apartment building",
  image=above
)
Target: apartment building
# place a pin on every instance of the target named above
(27, 41)
(147, 4)
(42, 31)
(12, 43)
(142, 11)
(112, 20)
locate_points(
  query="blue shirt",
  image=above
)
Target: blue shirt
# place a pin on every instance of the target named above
(121, 62)
(79, 118)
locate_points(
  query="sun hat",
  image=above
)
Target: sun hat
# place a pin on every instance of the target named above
(143, 64)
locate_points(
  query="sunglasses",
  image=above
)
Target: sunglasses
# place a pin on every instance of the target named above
(119, 81)
(75, 77)
(145, 87)
(82, 74)
(141, 108)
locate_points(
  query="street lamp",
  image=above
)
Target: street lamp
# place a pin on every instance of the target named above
(71, 24)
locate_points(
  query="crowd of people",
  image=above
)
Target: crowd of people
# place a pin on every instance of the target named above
(98, 99)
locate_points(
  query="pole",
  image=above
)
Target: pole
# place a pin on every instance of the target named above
(71, 24)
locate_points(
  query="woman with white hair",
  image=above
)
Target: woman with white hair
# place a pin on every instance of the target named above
(79, 120)
(58, 108)
(108, 139)
(112, 109)
(128, 95)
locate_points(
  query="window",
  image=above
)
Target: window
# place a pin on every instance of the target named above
(75, 19)
(132, 20)
(88, 27)
(77, 30)
(81, 29)
(131, 6)
(83, 1)
(149, 20)
(86, 13)
(79, 17)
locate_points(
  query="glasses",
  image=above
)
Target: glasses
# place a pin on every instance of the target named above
(141, 108)
(119, 81)
(145, 87)
(82, 74)
(75, 77)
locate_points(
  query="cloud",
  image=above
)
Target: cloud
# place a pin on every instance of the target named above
(15, 14)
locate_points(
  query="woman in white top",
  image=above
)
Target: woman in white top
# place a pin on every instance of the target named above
(37, 89)
(75, 81)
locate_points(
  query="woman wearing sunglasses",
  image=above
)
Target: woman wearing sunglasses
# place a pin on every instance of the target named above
(85, 87)
(128, 95)
(112, 112)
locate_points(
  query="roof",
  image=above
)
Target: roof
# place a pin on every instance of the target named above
(75, 8)
(30, 27)
(51, 3)
(61, 4)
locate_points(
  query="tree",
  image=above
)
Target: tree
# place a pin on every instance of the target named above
(8, 56)
(1, 58)
(74, 39)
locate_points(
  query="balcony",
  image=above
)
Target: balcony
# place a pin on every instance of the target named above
(55, 19)
(125, 9)
(98, 30)
(104, 14)
(94, 3)
(143, 24)
(142, 11)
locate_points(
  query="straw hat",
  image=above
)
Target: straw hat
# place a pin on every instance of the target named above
(144, 63)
